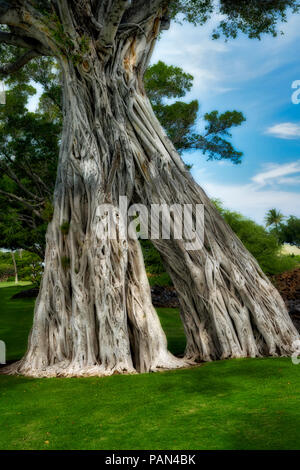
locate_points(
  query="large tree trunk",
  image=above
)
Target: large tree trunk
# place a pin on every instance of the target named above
(94, 314)
(229, 308)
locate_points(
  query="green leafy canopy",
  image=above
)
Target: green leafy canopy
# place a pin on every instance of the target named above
(164, 83)
(251, 17)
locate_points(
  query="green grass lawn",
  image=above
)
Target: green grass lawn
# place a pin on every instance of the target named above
(15, 319)
(238, 404)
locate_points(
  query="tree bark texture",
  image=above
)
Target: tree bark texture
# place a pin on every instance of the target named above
(94, 314)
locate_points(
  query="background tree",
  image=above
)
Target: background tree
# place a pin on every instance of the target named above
(28, 166)
(168, 82)
(274, 218)
(28, 266)
(94, 314)
(262, 244)
(15, 267)
(289, 232)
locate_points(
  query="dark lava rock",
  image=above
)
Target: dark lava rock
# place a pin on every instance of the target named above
(164, 297)
(288, 285)
(293, 307)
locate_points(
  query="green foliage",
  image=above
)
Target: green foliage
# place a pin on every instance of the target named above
(84, 44)
(28, 163)
(212, 143)
(65, 262)
(286, 232)
(289, 232)
(273, 218)
(178, 119)
(253, 18)
(262, 244)
(164, 82)
(65, 227)
(162, 279)
(58, 32)
(152, 258)
(6, 266)
(29, 266)
(48, 211)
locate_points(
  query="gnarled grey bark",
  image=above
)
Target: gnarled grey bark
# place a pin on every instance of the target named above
(228, 306)
(94, 314)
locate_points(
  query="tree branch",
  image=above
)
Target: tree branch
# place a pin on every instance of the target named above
(22, 41)
(15, 66)
(14, 177)
(142, 9)
(15, 40)
(111, 22)
(27, 26)
(8, 13)
(25, 167)
(64, 10)
(22, 201)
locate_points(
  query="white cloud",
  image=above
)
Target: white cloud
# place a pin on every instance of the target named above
(276, 174)
(197, 54)
(285, 130)
(251, 201)
(219, 67)
(254, 199)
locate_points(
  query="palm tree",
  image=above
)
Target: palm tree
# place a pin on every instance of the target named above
(274, 217)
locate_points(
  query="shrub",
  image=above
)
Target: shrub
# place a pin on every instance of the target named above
(262, 244)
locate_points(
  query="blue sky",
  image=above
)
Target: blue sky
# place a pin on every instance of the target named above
(254, 77)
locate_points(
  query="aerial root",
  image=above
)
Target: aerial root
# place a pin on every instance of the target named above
(67, 369)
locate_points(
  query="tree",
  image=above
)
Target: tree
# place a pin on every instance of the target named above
(289, 232)
(29, 143)
(23, 265)
(261, 243)
(178, 119)
(15, 267)
(274, 218)
(94, 314)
